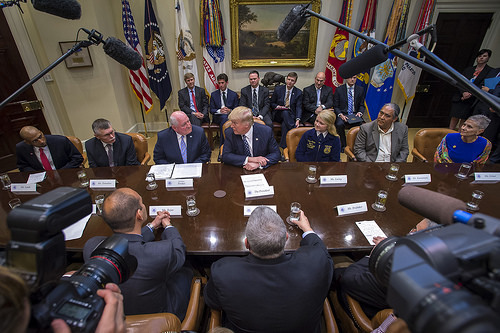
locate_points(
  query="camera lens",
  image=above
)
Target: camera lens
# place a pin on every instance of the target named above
(380, 262)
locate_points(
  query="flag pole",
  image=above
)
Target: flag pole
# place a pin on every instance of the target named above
(144, 122)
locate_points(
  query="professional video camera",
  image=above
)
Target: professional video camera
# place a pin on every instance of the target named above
(443, 279)
(37, 253)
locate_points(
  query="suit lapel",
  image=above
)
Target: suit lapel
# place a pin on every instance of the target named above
(376, 136)
(394, 142)
(189, 143)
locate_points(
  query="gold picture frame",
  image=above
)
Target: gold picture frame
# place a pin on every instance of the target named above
(253, 43)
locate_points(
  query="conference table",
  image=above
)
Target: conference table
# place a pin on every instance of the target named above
(219, 229)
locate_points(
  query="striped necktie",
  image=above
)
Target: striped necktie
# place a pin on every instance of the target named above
(350, 101)
(109, 151)
(247, 146)
(183, 150)
(255, 103)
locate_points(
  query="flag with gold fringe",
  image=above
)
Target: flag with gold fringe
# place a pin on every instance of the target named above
(184, 45)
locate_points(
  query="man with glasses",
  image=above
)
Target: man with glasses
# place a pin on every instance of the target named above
(39, 152)
(109, 148)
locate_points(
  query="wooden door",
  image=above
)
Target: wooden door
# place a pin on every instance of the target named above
(23, 110)
(459, 39)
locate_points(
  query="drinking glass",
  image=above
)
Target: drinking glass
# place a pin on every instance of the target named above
(150, 178)
(379, 205)
(5, 181)
(16, 202)
(393, 172)
(473, 204)
(192, 210)
(294, 213)
(311, 176)
(82, 177)
(464, 170)
(99, 200)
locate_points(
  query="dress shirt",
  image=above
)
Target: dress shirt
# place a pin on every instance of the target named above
(222, 99)
(249, 136)
(322, 133)
(47, 153)
(384, 147)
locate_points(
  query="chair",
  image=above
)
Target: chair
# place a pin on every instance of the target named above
(350, 139)
(426, 142)
(292, 141)
(141, 147)
(78, 144)
(163, 322)
(329, 319)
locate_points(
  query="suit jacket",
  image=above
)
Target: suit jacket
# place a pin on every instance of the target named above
(215, 100)
(149, 290)
(264, 103)
(309, 100)
(167, 147)
(123, 152)
(340, 99)
(200, 97)
(295, 100)
(64, 154)
(367, 142)
(284, 294)
(263, 144)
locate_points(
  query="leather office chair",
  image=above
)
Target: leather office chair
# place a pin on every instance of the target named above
(292, 141)
(350, 139)
(168, 322)
(78, 144)
(329, 319)
(426, 142)
(141, 147)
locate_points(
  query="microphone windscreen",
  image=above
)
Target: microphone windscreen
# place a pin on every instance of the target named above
(68, 9)
(122, 53)
(432, 205)
(291, 24)
(362, 63)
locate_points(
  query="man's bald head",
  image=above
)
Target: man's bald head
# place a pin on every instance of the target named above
(119, 209)
(33, 136)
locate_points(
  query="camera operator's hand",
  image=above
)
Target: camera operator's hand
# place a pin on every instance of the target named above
(113, 317)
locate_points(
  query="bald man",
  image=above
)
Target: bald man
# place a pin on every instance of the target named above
(39, 152)
(160, 283)
(181, 142)
(316, 98)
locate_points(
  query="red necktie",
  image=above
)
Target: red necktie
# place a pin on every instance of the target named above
(45, 160)
(194, 100)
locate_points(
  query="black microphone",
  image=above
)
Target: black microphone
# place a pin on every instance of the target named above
(122, 53)
(292, 23)
(68, 9)
(432, 205)
(364, 62)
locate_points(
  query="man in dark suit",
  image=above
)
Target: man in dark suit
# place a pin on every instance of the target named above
(287, 105)
(160, 282)
(348, 100)
(268, 290)
(256, 98)
(222, 102)
(181, 142)
(193, 101)
(39, 152)
(316, 98)
(249, 144)
(384, 139)
(109, 148)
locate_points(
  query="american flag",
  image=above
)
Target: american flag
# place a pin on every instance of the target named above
(138, 79)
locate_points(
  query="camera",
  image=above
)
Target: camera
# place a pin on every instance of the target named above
(37, 253)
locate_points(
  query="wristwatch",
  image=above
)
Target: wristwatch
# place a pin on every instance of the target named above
(151, 226)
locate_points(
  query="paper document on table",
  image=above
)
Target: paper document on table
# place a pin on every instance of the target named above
(188, 170)
(162, 171)
(36, 178)
(257, 180)
(75, 230)
(370, 229)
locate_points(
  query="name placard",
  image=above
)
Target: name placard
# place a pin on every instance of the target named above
(333, 180)
(22, 187)
(173, 210)
(418, 179)
(103, 183)
(352, 208)
(256, 192)
(248, 209)
(179, 183)
(487, 177)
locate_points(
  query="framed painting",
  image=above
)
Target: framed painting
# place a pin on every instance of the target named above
(253, 32)
(81, 58)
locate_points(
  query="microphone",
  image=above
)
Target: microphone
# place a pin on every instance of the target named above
(432, 205)
(364, 62)
(68, 9)
(292, 23)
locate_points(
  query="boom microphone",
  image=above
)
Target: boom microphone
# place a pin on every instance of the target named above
(364, 62)
(432, 205)
(68, 9)
(292, 23)
(122, 53)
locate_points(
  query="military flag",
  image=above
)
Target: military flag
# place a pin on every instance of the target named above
(184, 45)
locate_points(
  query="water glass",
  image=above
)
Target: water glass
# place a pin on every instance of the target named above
(393, 172)
(99, 200)
(294, 212)
(192, 210)
(311, 176)
(473, 204)
(16, 202)
(379, 205)
(464, 170)
(151, 179)
(82, 177)
(5, 181)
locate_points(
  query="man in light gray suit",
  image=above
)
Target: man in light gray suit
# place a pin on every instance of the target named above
(384, 139)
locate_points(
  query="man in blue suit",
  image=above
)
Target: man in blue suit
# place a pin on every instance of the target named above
(39, 152)
(181, 142)
(256, 98)
(249, 144)
(222, 102)
(287, 105)
(193, 101)
(109, 148)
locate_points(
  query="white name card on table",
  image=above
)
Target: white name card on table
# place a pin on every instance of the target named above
(256, 192)
(352, 208)
(103, 183)
(173, 210)
(248, 209)
(257, 180)
(23, 187)
(36, 178)
(338, 180)
(177, 183)
(370, 229)
(486, 177)
(418, 179)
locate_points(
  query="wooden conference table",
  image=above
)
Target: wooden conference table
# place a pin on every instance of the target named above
(219, 229)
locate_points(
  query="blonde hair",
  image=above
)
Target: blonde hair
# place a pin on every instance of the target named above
(243, 114)
(329, 118)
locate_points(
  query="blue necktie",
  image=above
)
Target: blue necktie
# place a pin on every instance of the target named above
(247, 146)
(350, 102)
(318, 97)
(183, 150)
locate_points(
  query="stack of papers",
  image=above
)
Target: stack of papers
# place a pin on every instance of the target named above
(177, 171)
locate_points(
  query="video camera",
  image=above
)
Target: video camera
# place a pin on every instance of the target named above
(37, 253)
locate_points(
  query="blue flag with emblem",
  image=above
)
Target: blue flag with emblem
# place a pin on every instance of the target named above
(159, 79)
